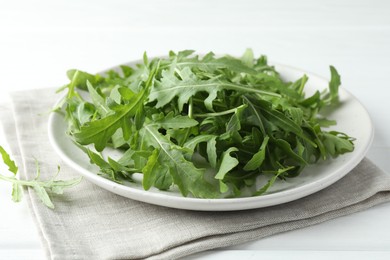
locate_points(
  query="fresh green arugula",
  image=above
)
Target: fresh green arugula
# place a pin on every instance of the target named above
(207, 125)
(42, 188)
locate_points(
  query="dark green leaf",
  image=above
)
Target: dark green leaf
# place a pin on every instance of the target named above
(258, 158)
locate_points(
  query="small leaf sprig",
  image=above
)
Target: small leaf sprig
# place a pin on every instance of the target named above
(41, 187)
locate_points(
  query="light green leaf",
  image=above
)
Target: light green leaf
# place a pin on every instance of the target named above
(211, 64)
(8, 161)
(43, 196)
(170, 121)
(80, 78)
(223, 187)
(97, 100)
(58, 186)
(227, 164)
(16, 192)
(115, 95)
(248, 58)
(212, 152)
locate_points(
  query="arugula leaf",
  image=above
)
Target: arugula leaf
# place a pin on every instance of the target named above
(337, 143)
(170, 121)
(258, 158)
(16, 192)
(184, 174)
(170, 86)
(43, 196)
(100, 131)
(334, 85)
(227, 163)
(7, 160)
(209, 63)
(156, 173)
(188, 85)
(248, 58)
(40, 187)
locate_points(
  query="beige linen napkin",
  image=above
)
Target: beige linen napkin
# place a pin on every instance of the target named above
(92, 223)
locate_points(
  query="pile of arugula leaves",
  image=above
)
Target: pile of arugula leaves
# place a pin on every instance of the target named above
(208, 125)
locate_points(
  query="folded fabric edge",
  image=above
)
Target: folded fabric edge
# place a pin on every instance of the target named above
(225, 240)
(10, 131)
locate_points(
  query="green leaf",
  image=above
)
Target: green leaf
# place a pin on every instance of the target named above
(296, 115)
(234, 124)
(337, 143)
(98, 101)
(170, 121)
(334, 85)
(192, 143)
(8, 161)
(211, 64)
(255, 115)
(115, 95)
(84, 112)
(80, 78)
(227, 164)
(38, 185)
(98, 160)
(279, 118)
(212, 151)
(43, 196)
(139, 120)
(189, 84)
(258, 158)
(170, 86)
(100, 131)
(286, 147)
(155, 173)
(248, 58)
(185, 175)
(271, 181)
(16, 192)
(223, 187)
(58, 186)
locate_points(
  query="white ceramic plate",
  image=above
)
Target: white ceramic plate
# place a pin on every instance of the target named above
(351, 117)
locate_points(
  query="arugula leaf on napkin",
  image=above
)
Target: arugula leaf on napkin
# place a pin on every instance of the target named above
(207, 125)
(41, 188)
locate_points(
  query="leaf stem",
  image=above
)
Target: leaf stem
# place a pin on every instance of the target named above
(226, 112)
(190, 108)
(21, 182)
(246, 89)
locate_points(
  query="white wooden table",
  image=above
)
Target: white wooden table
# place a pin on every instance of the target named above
(40, 40)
